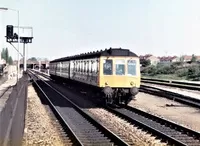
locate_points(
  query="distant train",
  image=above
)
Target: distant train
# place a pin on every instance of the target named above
(113, 73)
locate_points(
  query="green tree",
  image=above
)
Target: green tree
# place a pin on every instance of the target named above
(193, 58)
(181, 58)
(145, 62)
(3, 53)
(6, 55)
(32, 59)
(10, 60)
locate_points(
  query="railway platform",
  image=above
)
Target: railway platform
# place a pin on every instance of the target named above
(13, 95)
(5, 90)
(7, 82)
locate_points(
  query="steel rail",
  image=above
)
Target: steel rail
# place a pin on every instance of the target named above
(105, 132)
(169, 131)
(161, 127)
(171, 83)
(171, 95)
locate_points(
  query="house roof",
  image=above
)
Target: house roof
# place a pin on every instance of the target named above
(145, 56)
(167, 58)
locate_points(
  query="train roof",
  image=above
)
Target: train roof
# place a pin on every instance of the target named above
(106, 52)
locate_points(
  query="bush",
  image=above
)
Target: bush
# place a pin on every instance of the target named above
(174, 70)
(151, 70)
(182, 72)
(166, 69)
(193, 72)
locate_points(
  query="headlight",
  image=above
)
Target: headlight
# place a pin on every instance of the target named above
(106, 83)
(131, 83)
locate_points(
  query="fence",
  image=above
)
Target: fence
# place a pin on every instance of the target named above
(12, 115)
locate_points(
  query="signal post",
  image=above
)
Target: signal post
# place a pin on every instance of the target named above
(12, 37)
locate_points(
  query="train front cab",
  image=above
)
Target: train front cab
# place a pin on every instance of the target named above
(119, 78)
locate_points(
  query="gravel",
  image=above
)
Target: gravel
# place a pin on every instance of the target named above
(39, 127)
(122, 128)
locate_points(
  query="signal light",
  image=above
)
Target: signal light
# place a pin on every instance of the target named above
(9, 31)
(15, 36)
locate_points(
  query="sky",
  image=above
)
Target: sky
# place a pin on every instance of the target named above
(68, 27)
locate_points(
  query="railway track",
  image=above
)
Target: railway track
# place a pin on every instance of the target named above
(171, 83)
(171, 95)
(82, 128)
(167, 130)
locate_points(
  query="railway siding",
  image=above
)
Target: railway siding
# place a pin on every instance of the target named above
(172, 110)
(172, 132)
(179, 91)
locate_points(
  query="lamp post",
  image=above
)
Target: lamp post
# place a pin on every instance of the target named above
(18, 63)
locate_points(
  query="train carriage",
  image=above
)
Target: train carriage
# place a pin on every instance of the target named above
(115, 72)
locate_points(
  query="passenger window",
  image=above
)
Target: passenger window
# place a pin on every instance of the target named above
(107, 67)
(97, 66)
(82, 66)
(85, 66)
(131, 67)
(78, 66)
(92, 66)
(89, 66)
(120, 67)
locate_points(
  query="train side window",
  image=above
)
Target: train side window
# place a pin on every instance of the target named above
(131, 67)
(108, 67)
(68, 65)
(78, 66)
(92, 62)
(120, 67)
(97, 65)
(91, 66)
(84, 66)
(87, 66)
(74, 69)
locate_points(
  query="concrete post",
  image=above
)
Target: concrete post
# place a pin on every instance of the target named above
(24, 53)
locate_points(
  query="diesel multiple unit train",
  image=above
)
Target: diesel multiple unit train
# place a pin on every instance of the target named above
(112, 74)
